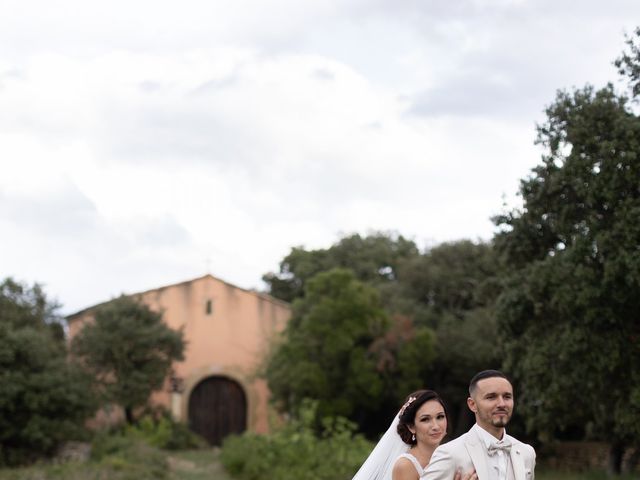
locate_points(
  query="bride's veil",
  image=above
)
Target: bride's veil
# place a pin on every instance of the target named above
(379, 463)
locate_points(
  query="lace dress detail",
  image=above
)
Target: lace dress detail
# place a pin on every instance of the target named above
(415, 462)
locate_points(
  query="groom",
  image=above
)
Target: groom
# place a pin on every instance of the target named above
(486, 448)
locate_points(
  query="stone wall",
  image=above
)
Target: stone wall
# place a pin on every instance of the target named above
(579, 456)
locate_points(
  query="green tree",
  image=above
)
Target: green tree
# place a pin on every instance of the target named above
(629, 62)
(373, 259)
(451, 278)
(570, 304)
(339, 349)
(452, 289)
(43, 400)
(129, 350)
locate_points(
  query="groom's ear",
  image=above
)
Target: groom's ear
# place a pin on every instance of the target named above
(472, 405)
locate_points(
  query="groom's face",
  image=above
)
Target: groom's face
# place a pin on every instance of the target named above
(492, 402)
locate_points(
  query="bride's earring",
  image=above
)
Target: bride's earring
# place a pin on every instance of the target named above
(413, 437)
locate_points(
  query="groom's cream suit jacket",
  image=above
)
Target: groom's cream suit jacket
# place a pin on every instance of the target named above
(469, 452)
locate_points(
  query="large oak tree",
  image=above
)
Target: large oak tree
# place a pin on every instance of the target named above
(569, 311)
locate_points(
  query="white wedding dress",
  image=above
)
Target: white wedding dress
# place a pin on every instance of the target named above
(415, 462)
(379, 463)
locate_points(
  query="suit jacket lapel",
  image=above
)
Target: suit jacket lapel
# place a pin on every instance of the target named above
(478, 456)
(517, 462)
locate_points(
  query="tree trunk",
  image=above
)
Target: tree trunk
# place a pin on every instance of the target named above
(128, 415)
(616, 453)
(632, 461)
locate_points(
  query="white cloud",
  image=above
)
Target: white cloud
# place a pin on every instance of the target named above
(138, 140)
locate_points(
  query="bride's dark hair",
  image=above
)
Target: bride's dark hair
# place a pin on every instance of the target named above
(408, 411)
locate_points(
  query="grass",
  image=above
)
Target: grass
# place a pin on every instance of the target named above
(185, 465)
(200, 464)
(196, 465)
(542, 474)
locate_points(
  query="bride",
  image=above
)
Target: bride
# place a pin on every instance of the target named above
(405, 449)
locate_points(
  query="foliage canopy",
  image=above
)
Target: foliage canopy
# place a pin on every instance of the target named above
(373, 259)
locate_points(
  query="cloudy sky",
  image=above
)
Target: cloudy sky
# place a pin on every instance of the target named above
(143, 143)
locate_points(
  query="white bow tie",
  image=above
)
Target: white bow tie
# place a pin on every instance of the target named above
(494, 447)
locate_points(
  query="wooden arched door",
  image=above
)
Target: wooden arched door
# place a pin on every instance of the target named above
(217, 407)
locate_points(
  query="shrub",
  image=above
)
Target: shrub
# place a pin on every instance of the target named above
(129, 456)
(298, 451)
(163, 432)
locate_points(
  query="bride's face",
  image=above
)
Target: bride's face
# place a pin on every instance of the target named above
(430, 423)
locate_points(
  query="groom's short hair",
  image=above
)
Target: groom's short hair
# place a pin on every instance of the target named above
(485, 374)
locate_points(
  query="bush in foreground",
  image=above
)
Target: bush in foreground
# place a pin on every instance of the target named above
(165, 433)
(296, 452)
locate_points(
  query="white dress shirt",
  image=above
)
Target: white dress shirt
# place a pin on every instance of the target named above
(498, 463)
